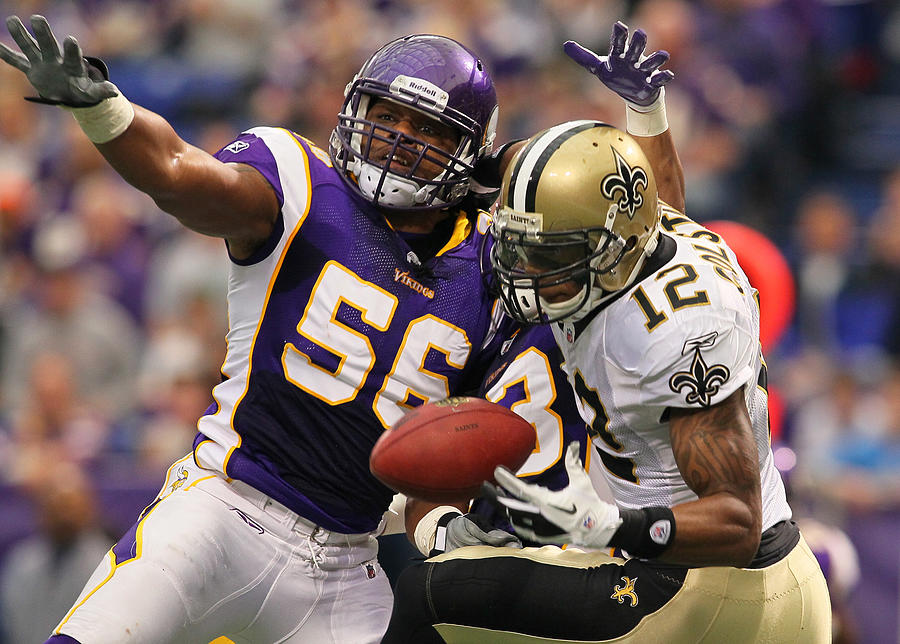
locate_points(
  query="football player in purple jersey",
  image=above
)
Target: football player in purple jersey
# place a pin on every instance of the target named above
(354, 294)
(527, 374)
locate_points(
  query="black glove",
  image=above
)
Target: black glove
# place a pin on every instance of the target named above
(68, 79)
(485, 180)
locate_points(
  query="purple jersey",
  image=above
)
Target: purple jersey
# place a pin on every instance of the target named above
(335, 330)
(526, 377)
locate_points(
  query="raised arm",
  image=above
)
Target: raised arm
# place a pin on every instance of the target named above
(667, 169)
(232, 201)
(641, 84)
(223, 200)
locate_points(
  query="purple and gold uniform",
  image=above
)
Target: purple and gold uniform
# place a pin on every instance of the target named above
(277, 511)
(324, 354)
(337, 324)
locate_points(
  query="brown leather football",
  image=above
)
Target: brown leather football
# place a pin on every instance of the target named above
(444, 450)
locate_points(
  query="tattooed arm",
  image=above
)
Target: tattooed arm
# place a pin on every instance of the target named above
(716, 454)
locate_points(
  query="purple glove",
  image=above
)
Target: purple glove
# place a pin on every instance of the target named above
(637, 81)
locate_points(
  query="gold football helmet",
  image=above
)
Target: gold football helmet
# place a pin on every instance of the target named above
(578, 208)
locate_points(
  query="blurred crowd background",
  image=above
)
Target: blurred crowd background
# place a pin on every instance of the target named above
(786, 114)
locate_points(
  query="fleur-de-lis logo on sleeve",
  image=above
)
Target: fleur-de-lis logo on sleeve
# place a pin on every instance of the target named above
(621, 593)
(624, 185)
(701, 380)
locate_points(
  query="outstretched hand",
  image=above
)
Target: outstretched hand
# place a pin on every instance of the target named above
(625, 70)
(574, 514)
(60, 78)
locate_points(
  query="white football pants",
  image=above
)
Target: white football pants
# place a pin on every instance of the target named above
(213, 557)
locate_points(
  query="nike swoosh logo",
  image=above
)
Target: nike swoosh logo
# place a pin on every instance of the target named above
(519, 505)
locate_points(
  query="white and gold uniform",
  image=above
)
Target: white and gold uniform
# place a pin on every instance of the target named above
(651, 313)
(685, 336)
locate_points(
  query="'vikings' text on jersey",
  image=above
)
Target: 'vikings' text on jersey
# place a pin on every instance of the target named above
(323, 355)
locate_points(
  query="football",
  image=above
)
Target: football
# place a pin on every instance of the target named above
(444, 450)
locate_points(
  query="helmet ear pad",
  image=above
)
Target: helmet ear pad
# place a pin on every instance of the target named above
(619, 276)
(433, 75)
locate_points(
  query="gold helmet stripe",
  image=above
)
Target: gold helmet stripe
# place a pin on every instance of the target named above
(534, 157)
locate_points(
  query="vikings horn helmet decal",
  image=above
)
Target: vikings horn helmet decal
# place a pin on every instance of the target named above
(438, 77)
(578, 204)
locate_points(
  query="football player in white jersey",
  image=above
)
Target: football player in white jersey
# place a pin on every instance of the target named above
(659, 330)
(635, 86)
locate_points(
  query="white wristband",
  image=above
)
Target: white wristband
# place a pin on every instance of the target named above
(106, 120)
(648, 120)
(394, 520)
(427, 526)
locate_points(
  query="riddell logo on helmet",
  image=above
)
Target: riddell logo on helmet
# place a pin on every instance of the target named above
(422, 88)
(404, 85)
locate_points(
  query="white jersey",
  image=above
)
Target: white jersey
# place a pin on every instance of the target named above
(687, 335)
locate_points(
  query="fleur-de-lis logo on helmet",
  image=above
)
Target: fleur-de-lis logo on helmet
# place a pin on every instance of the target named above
(701, 381)
(624, 185)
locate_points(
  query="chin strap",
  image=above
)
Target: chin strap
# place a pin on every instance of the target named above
(395, 192)
(649, 249)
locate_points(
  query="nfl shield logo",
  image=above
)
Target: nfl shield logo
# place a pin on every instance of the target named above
(660, 530)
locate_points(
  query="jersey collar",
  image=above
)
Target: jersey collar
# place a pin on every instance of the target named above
(664, 252)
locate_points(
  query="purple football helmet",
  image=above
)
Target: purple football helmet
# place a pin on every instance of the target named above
(438, 77)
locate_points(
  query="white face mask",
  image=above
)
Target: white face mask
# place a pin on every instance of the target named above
(396, 192)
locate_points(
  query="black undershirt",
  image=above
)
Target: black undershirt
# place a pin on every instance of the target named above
(426, 245)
